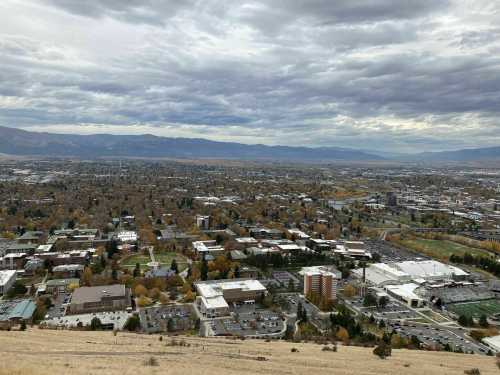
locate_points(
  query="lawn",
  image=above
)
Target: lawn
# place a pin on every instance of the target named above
(441, 249)
(476, 309)
(165, 259)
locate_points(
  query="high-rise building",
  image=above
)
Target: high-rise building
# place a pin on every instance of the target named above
(321, 280)
(391, 199)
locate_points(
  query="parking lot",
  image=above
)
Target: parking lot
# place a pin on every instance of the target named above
(59, 306)
(389, 253)
(432, 335)
(257, 323)
(392, 311)
(155, 319)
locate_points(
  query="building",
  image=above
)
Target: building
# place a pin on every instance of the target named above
(207, 249)
(431, 270)
(391, 199)
(245, 242)
(15, 312)
(127, 236)
(65, 271)
(353, 249)
(99, 298)
(57, 286)
(266, 234)
(406, 293)
(203, 222)
(493, 342)
(7, 279)
(30, 237)
(215, 296)
(21, 248)
(320, 245)
(381, 274)
(321, 280)
(298, 234)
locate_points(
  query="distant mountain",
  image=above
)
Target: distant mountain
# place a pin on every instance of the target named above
(25, 143)
(465, 155)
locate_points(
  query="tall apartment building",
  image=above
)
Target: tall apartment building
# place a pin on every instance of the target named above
(321, 280)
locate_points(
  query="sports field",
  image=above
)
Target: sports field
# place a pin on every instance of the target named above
(476, 309)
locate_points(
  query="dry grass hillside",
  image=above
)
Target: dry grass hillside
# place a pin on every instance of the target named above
(37, 352)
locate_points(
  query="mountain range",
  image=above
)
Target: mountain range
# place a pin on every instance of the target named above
(25, 143)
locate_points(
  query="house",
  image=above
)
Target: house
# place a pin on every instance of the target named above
(99, 298)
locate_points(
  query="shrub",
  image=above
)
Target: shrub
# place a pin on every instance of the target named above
(472, 371)
(151, 361)
(382, 350)
(294, 350)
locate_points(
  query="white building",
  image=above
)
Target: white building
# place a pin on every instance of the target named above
(204, 248)
(381, 274)
(430, 270)
(7, 279)
(215, 296)
(127, 236)
(406, 293)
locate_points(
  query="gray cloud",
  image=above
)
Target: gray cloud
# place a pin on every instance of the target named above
(399, 75)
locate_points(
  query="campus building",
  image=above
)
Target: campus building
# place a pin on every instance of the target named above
(99, 298)
(321, 280)
(7, 279)
(215, 296)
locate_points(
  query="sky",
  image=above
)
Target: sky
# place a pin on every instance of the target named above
(386, 75)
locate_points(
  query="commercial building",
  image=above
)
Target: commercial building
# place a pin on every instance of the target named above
(99, 298)
(321, 280)
(7, 279)
(215, 296)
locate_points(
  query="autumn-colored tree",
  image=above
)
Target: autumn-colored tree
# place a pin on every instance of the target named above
(343, 335)
(349, 291)
(140, 290)
(87, 277)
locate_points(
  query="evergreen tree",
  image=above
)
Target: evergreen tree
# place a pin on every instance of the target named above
(204, 269)
(174, 266)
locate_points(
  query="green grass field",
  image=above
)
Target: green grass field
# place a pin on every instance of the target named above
(165, 259)
(476, 309)
(441, 249)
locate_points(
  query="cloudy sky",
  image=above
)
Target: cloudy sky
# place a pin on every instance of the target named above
(395, 75)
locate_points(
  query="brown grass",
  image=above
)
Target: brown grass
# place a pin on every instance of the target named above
(37, 352)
